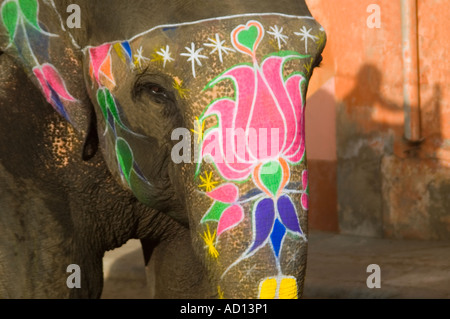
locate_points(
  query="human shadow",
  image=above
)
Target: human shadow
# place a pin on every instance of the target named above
(374, 112)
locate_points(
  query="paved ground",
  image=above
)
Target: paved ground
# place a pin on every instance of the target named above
(337, 268)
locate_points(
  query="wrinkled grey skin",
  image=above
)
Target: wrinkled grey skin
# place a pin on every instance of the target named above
(59, 203)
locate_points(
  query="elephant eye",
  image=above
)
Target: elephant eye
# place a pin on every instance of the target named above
(157, 90)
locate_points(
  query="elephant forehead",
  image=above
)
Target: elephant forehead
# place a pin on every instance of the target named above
(191, 54)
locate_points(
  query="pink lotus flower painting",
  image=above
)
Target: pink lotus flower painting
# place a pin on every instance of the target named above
(261, 93)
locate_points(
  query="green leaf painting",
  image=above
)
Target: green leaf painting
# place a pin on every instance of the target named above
(216, 211)
(124, 157)
(18, 11)
(29, 10)
(101, 99)
(111, 103)
(271, 176)
(10, 18)
(107, 103)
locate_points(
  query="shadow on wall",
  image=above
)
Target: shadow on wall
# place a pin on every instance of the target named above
(376, 113)
(367, 89)
(370, 129)
(366, 105)
(367, 123)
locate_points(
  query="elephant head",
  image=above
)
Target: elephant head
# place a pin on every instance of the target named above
(199, 113)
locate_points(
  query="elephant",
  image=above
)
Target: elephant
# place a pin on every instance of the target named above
(178, 123)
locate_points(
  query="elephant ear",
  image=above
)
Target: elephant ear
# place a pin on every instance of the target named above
(32, 32)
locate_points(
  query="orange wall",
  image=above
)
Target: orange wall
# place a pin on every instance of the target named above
(385, 186)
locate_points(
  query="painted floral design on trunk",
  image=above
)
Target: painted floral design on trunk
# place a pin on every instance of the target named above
(259, 134)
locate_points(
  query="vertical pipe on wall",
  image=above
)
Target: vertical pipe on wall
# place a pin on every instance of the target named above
(410, 54)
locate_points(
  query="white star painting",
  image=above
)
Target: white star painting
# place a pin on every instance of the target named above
(165, 54)
(194, 56)
(278, 35)
(218, 47)
(305, 35)
(139, 57)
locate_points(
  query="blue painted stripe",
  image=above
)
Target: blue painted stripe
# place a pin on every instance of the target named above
(127, 48)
